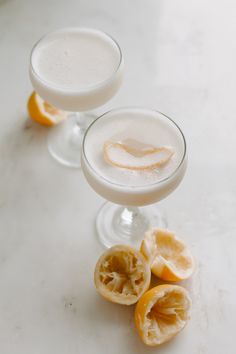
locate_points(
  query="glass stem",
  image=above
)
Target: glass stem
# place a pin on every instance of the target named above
(78, 128)
(81, 123)
(128, 215)
(129, 221)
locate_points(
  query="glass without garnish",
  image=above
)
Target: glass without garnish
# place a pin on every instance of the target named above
(132, 157)
(77, 70)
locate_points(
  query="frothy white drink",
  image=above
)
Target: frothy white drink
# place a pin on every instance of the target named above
(75, 59)
(137, 182)
(73, 68)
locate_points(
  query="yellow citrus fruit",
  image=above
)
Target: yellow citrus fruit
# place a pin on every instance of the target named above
(122, 275)
(43, 112)
(168, 256)
(161, 313)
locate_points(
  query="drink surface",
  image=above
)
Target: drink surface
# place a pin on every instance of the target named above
(146, 127)
(75, 59)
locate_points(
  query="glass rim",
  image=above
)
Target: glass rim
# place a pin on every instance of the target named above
(85, 88)
(146, 186)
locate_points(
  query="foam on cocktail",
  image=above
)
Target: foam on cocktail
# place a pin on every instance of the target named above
(76, 69)
(142, 130)
(76, 59)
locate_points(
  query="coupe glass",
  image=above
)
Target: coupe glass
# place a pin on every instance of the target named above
(130, 209)
(65, 139)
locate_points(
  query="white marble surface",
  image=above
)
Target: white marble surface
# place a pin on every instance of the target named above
(180, 58)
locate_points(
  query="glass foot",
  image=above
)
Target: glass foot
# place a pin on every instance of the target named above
(126, 225)
(65, 139)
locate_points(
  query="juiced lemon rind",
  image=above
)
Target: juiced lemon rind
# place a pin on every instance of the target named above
(168, 256)
(122, 275)
(43, 112)
(161, 313)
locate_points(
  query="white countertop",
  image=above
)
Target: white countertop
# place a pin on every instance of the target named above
(180, 59)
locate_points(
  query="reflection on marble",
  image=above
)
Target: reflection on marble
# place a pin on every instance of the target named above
(180, 59)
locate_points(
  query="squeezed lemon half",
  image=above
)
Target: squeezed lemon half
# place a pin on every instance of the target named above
(169, 257)
(162, 313)
(122, 275)
(43, 112)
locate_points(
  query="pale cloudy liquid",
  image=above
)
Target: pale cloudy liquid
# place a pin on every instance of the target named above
(144, 126)
(74, 62)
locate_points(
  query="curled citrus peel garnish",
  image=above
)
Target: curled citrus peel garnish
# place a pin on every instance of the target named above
(133, 155)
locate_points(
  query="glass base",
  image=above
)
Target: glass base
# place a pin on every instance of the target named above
(126, 225)
(65, 139)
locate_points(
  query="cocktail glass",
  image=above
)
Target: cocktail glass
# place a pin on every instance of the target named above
(130, 209)
(65, 139)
